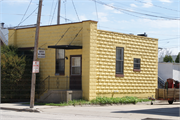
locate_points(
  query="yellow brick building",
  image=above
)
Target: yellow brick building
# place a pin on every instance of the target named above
(98, 62)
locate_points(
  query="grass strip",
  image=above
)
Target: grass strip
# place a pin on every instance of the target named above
(98, 101)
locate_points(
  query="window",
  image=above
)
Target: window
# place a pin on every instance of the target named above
(137, 64)
(60, 61)
(75, 65)
(119, 61)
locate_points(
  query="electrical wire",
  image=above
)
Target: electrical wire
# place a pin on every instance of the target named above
(51, 11)
(97, 13)
(66, 19)
(65, 10)
(168, 39)
(54, 13)
(157, 6)
(121, 4)
(23, 21)
(26, 11)
(129, 11)
(75, 10)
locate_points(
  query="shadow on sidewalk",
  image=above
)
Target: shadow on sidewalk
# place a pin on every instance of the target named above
(159, 111)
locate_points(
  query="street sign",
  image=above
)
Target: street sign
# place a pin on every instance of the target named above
(35, 67)
(41, 53)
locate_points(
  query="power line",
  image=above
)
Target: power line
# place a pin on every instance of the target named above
(75, 10)
(66, 19)
(26, 11)
(168, 39)
(28, 16)
(139, 9)
(23, 21)
(54, 12)
(65, 9)
(157, 6)
(129, 11)
(51, 11)
(97, 13)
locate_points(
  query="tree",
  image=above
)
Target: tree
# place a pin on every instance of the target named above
(168, 58)
(12, 69)
(177, 58)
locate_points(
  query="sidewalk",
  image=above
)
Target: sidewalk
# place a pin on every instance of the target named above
(37, 108)
(23, 107)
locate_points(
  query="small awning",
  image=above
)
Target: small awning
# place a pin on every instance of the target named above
(65, 47)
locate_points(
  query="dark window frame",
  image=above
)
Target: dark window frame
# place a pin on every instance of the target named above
(137, 69)
(118, 74)
(56, 72)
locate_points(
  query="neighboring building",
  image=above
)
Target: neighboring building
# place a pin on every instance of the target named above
(82, 60)
(169, 70)
(3, 34)
(173, 57)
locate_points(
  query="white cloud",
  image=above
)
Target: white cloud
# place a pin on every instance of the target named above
(133, 5)
(160, 23)
(102, 16)
(12, 2)
(168, 1)
(147, 4)
(155, 25)
(109, 7)
(82, 17)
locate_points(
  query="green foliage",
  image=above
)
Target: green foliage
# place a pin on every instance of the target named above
(12, 69)
(16, 67)
(177, 58)
(168, 58)
(127, 99)
(99, 100)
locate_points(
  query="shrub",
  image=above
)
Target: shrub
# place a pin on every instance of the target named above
(16, 71)
(12, 69)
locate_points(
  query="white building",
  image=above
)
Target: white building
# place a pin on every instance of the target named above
(169, 70)
(3, 34)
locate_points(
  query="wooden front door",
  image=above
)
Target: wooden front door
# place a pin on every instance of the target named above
(75, 72)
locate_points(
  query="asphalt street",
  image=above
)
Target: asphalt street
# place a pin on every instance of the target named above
(161, 111)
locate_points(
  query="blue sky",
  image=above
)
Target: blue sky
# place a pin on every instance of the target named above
(124, 16)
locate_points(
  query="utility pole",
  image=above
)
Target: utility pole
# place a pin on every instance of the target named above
(33, 80)
(58, 14)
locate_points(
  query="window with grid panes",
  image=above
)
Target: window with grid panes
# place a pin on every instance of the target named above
(60, 62)
(119, 61)
(137, 63)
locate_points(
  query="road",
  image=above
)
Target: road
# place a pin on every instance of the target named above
(121, 112)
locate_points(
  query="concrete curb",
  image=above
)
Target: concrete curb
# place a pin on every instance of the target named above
(38, 110)
(21, 109)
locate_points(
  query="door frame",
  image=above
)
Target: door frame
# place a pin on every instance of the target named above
(80, 64)
(80, 75)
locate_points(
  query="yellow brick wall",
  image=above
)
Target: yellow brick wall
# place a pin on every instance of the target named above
(89, 59)
(140, 84)
(49, 35)
(98, 58)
